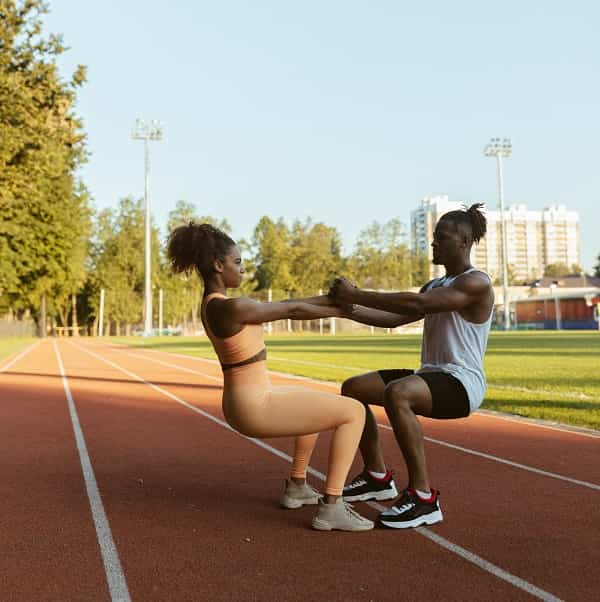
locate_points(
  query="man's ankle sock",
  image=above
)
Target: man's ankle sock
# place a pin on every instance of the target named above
(424, 495)
(378, 475)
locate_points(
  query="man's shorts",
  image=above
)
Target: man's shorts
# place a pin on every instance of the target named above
(448, 395)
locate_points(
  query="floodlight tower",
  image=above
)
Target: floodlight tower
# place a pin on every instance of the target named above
(502, 148)
(146, 131)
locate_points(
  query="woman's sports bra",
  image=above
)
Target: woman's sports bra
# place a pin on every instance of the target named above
(244, 347)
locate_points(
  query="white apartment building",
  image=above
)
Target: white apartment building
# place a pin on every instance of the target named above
(535, 239)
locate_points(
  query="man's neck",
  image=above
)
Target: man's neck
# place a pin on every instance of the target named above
(454, 269)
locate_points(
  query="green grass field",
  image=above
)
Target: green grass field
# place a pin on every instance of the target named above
(12, 345)
(546, 375)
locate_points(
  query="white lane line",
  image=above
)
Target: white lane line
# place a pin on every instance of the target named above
(112, 565)
(438, 539)
(19, 356)
(169, 365)
(465, 450)
(540, 423)
(473, 452)
(488, 413)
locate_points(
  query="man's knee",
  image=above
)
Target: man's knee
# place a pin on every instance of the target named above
(355, 387)
(397, 397)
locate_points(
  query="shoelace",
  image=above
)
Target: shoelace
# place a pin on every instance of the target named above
(351, 512)
(356, 483)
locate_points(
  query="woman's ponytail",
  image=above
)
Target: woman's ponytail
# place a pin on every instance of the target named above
(195, 247)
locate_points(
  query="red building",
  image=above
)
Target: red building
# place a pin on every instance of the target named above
(568, 311)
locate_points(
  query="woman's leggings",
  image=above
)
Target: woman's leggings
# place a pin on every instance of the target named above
(256, 409)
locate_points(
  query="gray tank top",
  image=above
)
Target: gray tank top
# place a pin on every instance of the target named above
(454, 345)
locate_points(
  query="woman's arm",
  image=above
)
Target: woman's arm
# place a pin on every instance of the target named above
(377, 317)
(319, 300)
(246, 311)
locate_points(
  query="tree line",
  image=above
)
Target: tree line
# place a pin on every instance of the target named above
(57, 253)
(281, 261)
(45, 216)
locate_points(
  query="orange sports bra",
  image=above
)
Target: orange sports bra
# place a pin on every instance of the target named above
(244, 347)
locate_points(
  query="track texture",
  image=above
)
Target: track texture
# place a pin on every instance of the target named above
(192, 506)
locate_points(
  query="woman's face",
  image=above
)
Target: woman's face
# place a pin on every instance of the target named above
(233, 268)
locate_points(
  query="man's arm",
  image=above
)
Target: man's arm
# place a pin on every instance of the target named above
(377, 317)
(464, 292)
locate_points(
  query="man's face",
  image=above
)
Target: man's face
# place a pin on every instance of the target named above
(447, 243)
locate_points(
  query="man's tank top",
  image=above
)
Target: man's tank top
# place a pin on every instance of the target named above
(239, 347)
(454, 345)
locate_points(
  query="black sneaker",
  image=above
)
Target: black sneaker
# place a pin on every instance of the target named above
(409, 510)
(367, 487)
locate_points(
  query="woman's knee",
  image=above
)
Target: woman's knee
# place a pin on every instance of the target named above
(357, 412)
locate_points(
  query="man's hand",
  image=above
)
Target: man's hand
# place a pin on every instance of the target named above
(341, 291)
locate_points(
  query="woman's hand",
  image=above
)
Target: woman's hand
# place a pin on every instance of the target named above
(341, 291)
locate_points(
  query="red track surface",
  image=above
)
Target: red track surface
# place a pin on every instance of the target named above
(192, 507)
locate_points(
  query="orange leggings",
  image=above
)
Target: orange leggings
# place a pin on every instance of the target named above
(256, 409)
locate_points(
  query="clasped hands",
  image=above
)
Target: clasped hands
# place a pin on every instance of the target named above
(340, 293)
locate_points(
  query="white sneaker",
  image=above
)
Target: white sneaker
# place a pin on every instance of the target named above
(340, 516)
(296, 496)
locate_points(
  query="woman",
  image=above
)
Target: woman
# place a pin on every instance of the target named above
(250, 404)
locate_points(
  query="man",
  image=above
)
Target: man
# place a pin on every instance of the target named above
(450, 382)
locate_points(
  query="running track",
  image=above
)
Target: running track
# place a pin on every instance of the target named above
(122, 482)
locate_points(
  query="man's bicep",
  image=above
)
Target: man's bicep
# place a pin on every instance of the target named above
(445, 298)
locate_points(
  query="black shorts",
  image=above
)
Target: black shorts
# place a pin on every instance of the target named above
(448, 395)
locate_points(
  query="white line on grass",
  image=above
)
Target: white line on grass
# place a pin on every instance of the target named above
(112, 566)
(465, 450)
(19, 356)
(355, 369)
(580, 431)
(441, 541)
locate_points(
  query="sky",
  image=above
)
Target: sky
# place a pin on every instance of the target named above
(346, 112)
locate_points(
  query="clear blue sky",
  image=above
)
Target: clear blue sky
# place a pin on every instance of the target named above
(347, 112)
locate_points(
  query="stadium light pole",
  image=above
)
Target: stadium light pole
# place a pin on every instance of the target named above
(146, 131)
(502, 148)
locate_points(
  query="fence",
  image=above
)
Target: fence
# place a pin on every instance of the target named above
(16, 328)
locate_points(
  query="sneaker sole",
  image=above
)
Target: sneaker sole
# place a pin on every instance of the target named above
(428, 519)
(320, 525)
(291, 503)
(380, 496)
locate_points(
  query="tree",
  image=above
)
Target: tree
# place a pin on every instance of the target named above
(41, 147)
(511, 276)
(315, 256)
(382, 259)
(597, 267)
(273, 255)
(186, 212)
(554, 270)
(117, 258)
